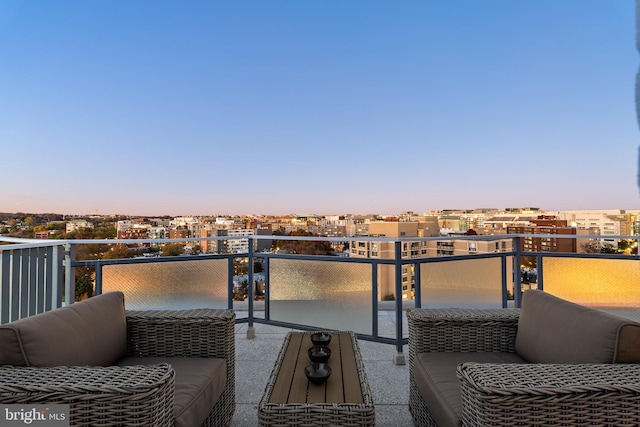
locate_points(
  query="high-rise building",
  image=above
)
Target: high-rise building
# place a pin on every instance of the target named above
(426, 227)
(545, 225)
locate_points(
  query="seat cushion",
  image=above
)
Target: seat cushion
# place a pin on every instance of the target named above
(92, 332)
(199, 383)
(435, 377)
(553, 330)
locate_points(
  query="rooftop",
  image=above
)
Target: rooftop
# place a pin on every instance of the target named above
(256, 357)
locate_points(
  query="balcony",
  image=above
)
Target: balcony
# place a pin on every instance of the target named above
(304, 292)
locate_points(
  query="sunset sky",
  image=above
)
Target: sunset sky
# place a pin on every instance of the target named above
(334, 106)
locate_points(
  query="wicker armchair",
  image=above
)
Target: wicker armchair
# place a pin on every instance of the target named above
(189, 333)
(507, 394)
(455, 330)
(134, 395)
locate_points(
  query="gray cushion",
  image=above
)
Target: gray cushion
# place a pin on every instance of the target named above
(91, 332)
(435, 376)
(199, 384)
(552, 330)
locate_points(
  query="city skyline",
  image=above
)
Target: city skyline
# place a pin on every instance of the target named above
(317, 107)
(523, 211)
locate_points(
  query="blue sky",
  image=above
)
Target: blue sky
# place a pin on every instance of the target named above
(277, 107)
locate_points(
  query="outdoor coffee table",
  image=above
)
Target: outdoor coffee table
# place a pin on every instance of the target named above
(291, 399)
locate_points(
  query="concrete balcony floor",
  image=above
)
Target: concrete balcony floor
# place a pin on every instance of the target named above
(256, 357)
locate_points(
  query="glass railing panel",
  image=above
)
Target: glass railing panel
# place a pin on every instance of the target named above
(321, 294)
(610, 284)
(470, 283)
(169, 285)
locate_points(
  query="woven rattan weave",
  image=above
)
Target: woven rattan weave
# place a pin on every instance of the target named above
(453, 330)
(550, 394)
(140, 395)
(519, 394)
(189, 333)
(97, 396)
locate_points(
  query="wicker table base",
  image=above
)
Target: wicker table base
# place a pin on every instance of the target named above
(344, 400)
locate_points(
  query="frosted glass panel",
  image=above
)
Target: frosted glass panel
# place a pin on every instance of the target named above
(169, 285)
(321, 294)
(474, 283)
(605, 283)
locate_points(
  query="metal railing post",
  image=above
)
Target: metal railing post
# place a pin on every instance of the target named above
(5, 262)
(398, 357)
(374, 298)
(251, 330)
(51, 259)
(418, 285)
(98, 270)
(25, 282)
(539, 275)
(16, 256)
(517, 279)
(267, 289)
(56, 277)
(503, 264)
(230, 283)
(69, 274)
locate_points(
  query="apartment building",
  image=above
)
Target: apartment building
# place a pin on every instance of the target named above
(463, 220)
(460, 246)
(137, 232)
(605, 222)
(157, 232)
(505, 219)
(77, 224)
(548, 225)
(425, 227)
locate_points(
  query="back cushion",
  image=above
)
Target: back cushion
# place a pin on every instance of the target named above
(92, 332)
(552, 330)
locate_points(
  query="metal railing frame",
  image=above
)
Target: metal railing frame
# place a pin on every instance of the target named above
(45, 277)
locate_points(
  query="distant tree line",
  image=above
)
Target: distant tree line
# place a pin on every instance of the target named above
(303, 247)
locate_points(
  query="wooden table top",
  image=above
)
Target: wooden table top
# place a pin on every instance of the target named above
(292, 386)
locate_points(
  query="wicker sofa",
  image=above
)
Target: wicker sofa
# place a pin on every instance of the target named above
(126, 368)
(552, 362)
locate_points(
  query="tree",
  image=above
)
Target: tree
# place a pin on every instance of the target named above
(591, 247)
(242, 292)
(119, 251)
(594, 247)
(84, 287)
(303, 246)
(529, 262)
(608, 248)
(628, 247)
(172, 249)
(30, 221)
(105, 232)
